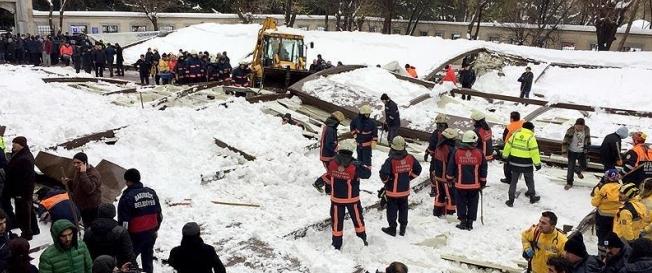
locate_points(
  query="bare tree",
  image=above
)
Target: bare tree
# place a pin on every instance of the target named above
(608, 16)
(480, 6)
(632, 16)
(151, 8)
(350, 14)
(50, 19)
(62, 8)
(388, 7)
(416, 10)
(536, 22)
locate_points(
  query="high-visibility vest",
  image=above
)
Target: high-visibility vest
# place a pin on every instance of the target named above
(512, 127)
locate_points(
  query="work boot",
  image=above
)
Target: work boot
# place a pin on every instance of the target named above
(509, 203)
(534, 199)
(402, 230)
(505, 180)
(432, 191)
(319, 184)
(579, 174)
(461, 225)
(568, 187)
(391, 231)
(469, 225)
(437, 212)
(528, 194)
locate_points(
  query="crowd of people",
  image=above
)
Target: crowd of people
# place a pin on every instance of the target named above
(86, 237)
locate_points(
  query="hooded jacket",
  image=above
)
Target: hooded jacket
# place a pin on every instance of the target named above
(194, 256)
(106, 237)
(56, 259)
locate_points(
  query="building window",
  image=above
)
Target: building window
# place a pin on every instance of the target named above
(166, 28)
(43, 30)
(594, 46)
(439, 34)
(423, 33)
(109, 28)
(78, 29)
(567, 45)
(373, 29)
(455, 36)
(138, 28)
(494, 39)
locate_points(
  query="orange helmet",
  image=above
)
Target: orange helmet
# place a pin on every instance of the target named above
(639, 137)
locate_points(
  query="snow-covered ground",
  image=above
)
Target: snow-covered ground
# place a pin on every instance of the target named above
(425, 53)
(172, 148)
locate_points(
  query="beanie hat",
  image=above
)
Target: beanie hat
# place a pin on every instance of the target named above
(612, 241)
(528, 125)
(190, 229)
(21, 140)
(104, 264)
(106, 211)
(612, 175)
(623, 132)
(81, 157)
(580, 121)
(132, 175)
(629, 190)
(576, 245)
(384, 97)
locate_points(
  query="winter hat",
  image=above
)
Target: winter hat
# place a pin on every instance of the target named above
(576, 245)
(104, 264)
(612, 175)
(612, 241)
(19, 247)
(528, 125)
(384, 97)
(623, 132)
(81, 157)
(190, 229)
(20, 140)
(629, 190)
(580, 121)
(106, 211)
(132, 175)
(641, 247)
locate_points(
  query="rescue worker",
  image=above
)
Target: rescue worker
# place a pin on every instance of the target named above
(581, 262)
(576, 143)
(542, 241)
(411, 70)
(610, 148)
(630, 218)
(485, 140)
(444, 197)
(365, 132)
(241, 74)
(328, 144)
(58, 205)
(646, 199)
(638, 160)
(343, 175)
(467, 169)
(396, 173)
(522, 151)
(392, 117)
(515, 123)
(606, 198)
(440, 125)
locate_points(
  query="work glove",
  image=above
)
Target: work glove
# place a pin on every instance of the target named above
(425, 156)
(327, 189)
(528, 254)
(373, 145)
(619, 162)
(538, 167)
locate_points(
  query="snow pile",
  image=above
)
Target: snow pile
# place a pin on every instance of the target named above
(363, 85)
(425, 53)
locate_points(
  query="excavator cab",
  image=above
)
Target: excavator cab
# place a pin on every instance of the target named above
(279, 59)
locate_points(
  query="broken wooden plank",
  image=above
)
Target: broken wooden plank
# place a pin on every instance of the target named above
(267, 97)
(81, 79)
(218, 175)
(235, 204)
(480, 264)
(81, 141)
(123, 91)
(222, 144)
(188, 91)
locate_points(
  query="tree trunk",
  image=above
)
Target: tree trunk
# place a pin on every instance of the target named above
(154, 20)
(51, 20)
(416, 22)
(288, 13)
(388, 12)
(477, 26)
(632, 16)
(326, 18)
(409, 30)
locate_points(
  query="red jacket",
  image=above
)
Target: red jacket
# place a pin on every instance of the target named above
(47, 46)
(450, 76)
(412, 71)
(65, 50)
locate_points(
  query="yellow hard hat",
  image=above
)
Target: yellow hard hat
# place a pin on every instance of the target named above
(441, 118)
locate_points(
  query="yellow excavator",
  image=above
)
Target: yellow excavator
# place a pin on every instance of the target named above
(279, 59)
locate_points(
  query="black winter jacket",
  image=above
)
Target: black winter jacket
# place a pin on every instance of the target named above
(106, 237)
(20, 174)
(193, 256)
(610, 149)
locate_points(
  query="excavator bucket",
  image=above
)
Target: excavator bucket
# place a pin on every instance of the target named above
(279, 78)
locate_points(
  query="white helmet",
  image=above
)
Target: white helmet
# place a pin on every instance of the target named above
(347, 145)
(450, 133)
(477, 116)
(470, 137)
(398, 143)
(365, 110)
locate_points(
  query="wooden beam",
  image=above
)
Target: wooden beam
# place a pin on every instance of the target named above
(123, 91)
(83, 140)
(480, 264)
(267, 97)
(81, 79)
(222, 144)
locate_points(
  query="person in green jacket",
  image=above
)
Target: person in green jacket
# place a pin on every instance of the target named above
(67, 254)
